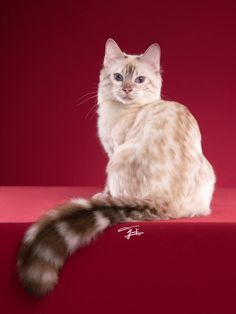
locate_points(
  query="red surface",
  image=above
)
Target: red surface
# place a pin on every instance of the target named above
(26, 204)
(51, 53)
(184, 266)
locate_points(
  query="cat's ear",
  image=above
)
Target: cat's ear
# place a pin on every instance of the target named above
(112, 52)
(152, 56)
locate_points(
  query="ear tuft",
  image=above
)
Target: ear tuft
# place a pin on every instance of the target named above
(152, 56)
(112, 52)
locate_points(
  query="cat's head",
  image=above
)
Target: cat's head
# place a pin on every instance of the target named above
(130, 78)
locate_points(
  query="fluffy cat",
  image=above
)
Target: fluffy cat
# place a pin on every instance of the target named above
(156, 168)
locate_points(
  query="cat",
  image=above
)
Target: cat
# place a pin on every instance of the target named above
(156, 168)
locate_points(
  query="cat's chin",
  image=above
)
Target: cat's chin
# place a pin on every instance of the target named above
(126, 100)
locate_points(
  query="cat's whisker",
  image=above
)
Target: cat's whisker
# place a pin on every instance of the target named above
(85, 100)
(89, 93)
(77, 100)
(91, 110)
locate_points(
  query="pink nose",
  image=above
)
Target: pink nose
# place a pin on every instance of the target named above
(127, 88)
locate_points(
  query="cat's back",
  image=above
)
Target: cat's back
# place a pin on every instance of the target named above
(170, 109)
(165, 119)
(183, 123)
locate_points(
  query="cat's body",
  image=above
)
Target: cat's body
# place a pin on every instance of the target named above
(156, 168)
(155, 153)
(154, 146)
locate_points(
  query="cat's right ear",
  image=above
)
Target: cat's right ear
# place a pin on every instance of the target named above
(112, 52)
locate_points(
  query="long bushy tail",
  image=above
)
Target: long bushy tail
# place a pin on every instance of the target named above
(48, 242)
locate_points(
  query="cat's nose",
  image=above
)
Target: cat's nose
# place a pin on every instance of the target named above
(127, 88)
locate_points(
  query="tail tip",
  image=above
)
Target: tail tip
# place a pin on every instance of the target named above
(38, 283)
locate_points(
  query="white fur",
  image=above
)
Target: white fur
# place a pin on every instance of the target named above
(82, 202)
(31, 233)
(47, 254)
(49, 277)
(72, 239)
(101, 221)
(35, 274)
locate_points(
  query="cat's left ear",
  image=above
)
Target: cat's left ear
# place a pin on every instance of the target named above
(152, 56)
(112, 52)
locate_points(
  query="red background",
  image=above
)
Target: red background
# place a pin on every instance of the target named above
(51, 53)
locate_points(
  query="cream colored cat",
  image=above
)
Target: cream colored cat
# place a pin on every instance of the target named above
(156, 168)
(154, 146)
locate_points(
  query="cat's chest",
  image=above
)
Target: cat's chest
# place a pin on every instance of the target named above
(113, 125)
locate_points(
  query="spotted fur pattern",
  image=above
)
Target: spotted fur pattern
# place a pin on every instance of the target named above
(48, 242)
(154, 146)
(156, 168)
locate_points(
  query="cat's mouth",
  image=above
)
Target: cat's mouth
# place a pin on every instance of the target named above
(127, 98)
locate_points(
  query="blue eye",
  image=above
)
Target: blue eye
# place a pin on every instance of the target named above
(140, 79)
(118, 77)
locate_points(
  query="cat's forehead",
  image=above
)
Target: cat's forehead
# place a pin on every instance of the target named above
(129, 64)
(129, 68)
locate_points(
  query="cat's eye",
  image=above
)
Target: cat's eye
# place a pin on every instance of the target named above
(118, 77)
(140, 79)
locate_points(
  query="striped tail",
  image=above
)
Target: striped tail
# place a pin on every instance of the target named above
(49, 241)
